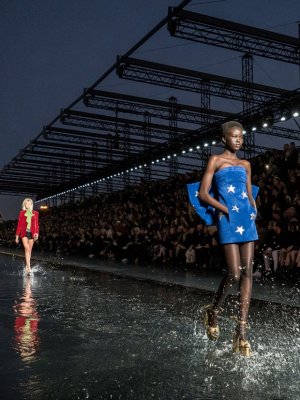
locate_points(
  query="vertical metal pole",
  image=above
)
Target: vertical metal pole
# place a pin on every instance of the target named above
(147, 142)
(247, 76)
(173, 118)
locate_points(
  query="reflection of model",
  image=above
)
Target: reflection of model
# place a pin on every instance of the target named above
(27, 229)
(26, 324)
(235, 209)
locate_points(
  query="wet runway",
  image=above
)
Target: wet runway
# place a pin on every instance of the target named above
(78, 334)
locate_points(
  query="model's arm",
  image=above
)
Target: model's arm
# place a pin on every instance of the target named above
(249, 185)
(37, 228)
(18, 227)
(206, 185)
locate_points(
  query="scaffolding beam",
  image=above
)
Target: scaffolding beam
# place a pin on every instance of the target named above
(234, 36)
(189, 80)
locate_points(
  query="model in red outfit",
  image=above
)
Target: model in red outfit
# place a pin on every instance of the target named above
(27, 230)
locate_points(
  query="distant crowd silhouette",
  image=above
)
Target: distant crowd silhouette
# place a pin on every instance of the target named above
(152, 222)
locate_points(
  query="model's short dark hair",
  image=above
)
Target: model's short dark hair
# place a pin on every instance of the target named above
(230, 124)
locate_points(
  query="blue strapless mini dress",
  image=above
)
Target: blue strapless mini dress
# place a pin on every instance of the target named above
(229, 187)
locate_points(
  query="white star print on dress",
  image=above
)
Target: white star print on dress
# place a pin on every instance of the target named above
(240, 229)
(230, 189)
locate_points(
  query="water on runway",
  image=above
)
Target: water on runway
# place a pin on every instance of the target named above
(72, 334)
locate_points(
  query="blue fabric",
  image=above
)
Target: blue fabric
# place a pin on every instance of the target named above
(229, 184)
(205, 211)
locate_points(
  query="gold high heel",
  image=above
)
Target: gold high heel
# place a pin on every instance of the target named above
(212, 332)
(240, 345)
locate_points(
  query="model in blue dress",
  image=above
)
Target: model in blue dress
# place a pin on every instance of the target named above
(230, 187)
(233, 207)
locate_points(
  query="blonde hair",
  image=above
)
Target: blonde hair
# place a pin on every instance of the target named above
(23, 204)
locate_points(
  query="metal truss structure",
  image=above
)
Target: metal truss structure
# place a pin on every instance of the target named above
(129, 139)
(231, 35)
(189, 80)
(134, 105)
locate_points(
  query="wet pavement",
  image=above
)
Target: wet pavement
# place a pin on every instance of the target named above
(75, 331)
(269, 290)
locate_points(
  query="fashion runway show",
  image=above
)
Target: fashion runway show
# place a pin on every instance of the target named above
(149, 200)
(104, 334)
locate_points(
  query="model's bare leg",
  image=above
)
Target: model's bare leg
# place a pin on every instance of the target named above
(240, 344)
(239, 258)
(232, 257)
(28, 244)
(233, 260)
(246, 252)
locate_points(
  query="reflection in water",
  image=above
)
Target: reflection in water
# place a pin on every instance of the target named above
(26, 324)
(102, 337)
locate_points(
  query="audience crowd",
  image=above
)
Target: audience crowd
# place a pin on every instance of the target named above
(153, 223)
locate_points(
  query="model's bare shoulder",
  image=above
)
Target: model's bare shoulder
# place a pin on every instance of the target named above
(214, 159)
(246, 164)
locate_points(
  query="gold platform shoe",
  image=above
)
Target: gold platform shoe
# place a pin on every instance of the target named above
(209, 321)
(240, 345)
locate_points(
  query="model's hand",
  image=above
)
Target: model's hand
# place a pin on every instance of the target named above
(17, 239)
(35, 237)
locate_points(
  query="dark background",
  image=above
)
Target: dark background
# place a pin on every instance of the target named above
(51, 50)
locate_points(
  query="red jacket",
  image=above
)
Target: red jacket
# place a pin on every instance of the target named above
(22, 224)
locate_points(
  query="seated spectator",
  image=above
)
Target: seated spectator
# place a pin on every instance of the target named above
(150, 222)
(290, 244)
(292, 156)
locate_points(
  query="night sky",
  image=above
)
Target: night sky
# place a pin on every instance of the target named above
(51, 50)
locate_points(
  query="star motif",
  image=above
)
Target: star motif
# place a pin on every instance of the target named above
(252, 216)
(244, 195)
(240, 229)
(235, 208)
(196, 193)
(230, 189)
